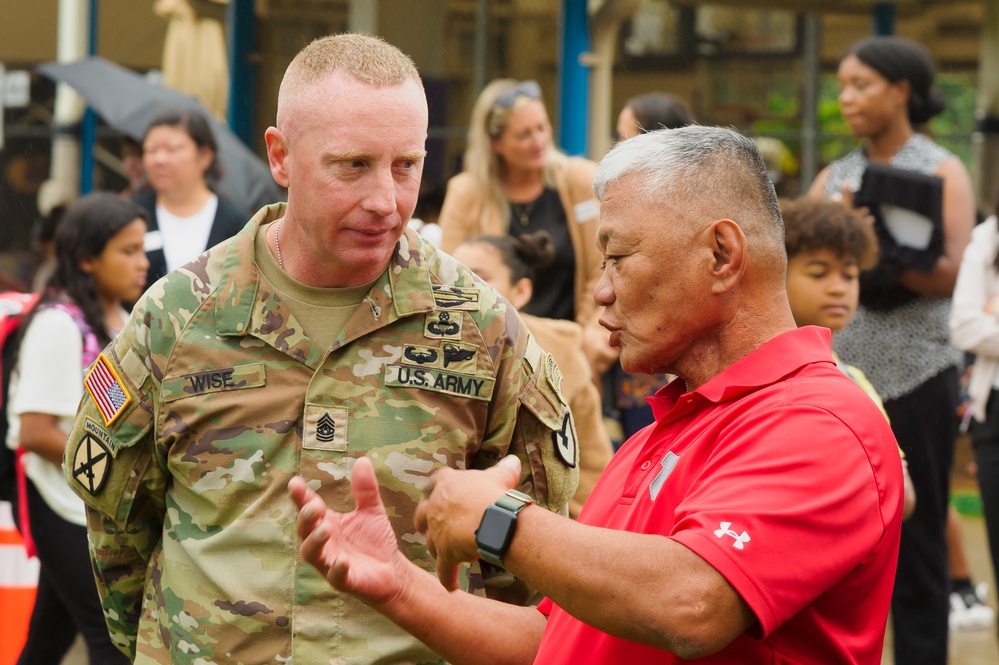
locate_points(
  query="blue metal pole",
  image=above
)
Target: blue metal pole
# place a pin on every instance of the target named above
(574, 89)
(88, 134)
(241, 24)
(884, 19)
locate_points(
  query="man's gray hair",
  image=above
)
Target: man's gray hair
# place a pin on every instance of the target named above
(696, 164)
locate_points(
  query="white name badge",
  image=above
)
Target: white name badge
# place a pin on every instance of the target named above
(152, 241)
(586, 210)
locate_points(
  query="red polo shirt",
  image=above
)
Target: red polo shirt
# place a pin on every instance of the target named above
(784, 476)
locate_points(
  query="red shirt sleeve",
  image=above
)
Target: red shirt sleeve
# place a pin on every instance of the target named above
(786, 511)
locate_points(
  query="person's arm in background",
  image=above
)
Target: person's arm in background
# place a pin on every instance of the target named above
(595, 449)
(49, 387)
(815, 191)
(40, 434)
(958, 221)
(974, 321)
(459, 216)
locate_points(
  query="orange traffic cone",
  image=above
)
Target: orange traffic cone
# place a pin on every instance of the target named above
(18, 581)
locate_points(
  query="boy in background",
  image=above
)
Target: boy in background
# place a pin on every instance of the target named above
(828, 245)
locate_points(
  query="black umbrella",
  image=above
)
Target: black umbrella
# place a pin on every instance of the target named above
(128, 102)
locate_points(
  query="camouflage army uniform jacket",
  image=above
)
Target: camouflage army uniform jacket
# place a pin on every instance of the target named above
(212, 398)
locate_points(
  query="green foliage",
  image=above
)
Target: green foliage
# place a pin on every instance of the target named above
(952, 128)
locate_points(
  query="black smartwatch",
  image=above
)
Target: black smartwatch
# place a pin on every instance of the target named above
(498, 524)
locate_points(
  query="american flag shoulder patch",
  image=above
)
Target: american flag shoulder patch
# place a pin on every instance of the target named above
(108, 391)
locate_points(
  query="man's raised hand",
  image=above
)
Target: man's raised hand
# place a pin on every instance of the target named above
(356, 552)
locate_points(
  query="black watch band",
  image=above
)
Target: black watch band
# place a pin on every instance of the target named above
(498, 524)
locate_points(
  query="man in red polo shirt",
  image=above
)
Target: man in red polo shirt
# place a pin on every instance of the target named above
(756, 521)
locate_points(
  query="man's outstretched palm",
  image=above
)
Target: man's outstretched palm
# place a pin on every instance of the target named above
(357, 551)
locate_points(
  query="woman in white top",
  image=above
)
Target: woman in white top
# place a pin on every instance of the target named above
(974, 327)
(100, 265)
(184, 213)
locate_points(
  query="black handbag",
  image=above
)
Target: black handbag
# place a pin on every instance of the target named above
(908, 219)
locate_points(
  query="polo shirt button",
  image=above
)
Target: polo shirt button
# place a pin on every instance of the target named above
(646, 464)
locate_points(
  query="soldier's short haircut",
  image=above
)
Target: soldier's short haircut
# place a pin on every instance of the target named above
(370, 59)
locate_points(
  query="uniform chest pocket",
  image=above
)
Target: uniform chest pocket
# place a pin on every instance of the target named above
(215, 380)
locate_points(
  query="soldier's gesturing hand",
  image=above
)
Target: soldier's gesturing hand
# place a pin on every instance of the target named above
(356, 552)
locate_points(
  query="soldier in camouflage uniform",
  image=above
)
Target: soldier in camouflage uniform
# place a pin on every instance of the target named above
(249, 366)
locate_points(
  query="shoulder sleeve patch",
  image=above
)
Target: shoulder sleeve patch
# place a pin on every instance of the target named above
(549, 434)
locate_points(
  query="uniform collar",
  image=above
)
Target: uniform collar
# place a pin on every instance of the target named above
(778, 358)
(248, 305)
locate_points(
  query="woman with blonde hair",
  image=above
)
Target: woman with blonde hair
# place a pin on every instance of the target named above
(517, 182)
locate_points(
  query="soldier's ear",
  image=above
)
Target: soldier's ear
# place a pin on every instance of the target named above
(277, 155)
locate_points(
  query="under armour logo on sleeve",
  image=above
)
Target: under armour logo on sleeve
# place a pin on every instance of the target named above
(740, 538)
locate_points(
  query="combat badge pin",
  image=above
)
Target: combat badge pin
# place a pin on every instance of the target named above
(457, 357)
(455, 297)
(443, 325)
(566, 446)
(91, 463)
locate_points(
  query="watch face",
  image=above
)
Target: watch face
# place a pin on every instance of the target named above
(496, 530)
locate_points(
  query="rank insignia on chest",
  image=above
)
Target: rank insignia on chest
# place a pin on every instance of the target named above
(108, 391)
(455, 297)
(325, 428)
(443, 325)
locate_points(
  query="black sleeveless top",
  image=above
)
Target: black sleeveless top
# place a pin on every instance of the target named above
(554, 284)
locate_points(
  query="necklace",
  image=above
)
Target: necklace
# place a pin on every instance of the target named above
(277, 242)
(523, 211)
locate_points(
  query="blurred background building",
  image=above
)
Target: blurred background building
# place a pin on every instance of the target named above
(767, 68)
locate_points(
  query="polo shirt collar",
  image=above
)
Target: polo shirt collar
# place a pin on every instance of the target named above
(781, 356)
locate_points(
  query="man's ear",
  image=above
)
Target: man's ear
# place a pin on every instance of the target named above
(729, 255)
(277, 154)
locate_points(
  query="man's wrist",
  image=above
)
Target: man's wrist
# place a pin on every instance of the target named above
(498, 525)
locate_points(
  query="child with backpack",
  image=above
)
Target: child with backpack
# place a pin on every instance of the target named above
(100, 266)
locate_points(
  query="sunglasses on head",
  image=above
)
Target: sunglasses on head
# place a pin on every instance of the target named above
(507, 98)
